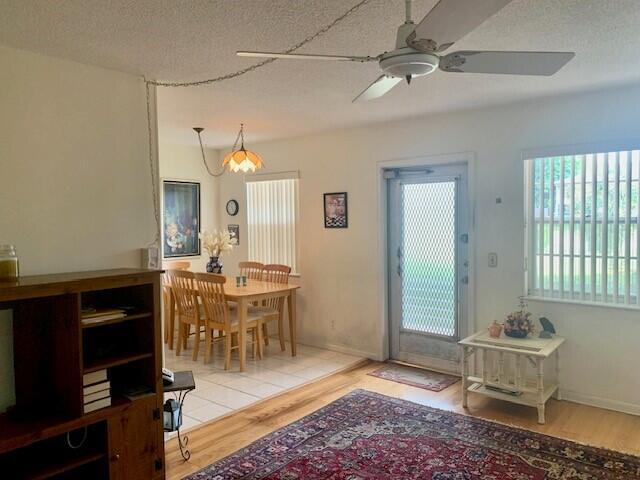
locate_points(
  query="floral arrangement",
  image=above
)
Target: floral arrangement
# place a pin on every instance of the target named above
(217, 242)
(518, 324)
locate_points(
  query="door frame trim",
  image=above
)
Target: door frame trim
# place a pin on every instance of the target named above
(469, 158)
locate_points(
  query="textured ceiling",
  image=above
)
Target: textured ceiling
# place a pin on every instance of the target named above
(195, 39)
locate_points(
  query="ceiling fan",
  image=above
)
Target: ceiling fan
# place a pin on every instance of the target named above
(418, 47)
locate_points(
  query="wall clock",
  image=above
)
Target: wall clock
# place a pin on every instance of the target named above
(232, 207)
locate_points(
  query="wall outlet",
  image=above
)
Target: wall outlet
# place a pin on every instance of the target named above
(493, 260)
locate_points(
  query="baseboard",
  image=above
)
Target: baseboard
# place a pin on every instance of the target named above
(606, 403)
(432, 363)
(422, 367)
(348, 350)
(340, 349)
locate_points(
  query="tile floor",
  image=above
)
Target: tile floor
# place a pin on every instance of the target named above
(219, 392)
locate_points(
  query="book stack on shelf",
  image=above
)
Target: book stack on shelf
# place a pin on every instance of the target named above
(91, 316)
(96, 391)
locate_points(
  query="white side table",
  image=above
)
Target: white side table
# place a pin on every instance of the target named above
(516, 389)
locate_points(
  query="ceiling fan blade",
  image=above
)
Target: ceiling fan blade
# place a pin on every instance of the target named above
(450, 20)
(304, 56)
(508, 63)
(378, 88)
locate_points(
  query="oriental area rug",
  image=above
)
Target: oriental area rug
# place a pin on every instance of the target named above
(415, 377)
(365, 435)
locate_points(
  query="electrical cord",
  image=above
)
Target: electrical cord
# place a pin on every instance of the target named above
(84, 438)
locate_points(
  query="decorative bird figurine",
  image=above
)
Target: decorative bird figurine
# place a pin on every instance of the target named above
(548, 330)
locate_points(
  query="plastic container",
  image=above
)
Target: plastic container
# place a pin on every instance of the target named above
(9, 266)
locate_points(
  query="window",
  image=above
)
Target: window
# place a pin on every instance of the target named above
(272, 205)
(582, 227)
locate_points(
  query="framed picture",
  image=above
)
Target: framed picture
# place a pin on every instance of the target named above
(335, 210)
(180, 218)
(234, 230)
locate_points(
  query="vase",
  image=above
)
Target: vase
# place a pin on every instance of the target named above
(516, 333)
(495, 329)
(214, 265)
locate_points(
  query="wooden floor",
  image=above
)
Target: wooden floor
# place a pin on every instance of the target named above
(211, 442)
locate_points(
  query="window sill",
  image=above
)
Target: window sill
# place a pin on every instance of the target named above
(583, 303)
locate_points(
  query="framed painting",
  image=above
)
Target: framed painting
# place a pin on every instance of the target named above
(234, 231)
(335, 210)
(180, 218)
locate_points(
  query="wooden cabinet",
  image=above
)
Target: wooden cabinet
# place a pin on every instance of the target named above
(54, 349)
(134, 441)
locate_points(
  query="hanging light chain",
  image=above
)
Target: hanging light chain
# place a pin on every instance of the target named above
(253, 67)
(239, 136)
(204, 160)
(208, 81)
(152, 168)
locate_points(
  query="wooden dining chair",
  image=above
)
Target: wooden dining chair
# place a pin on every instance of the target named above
(252, 270)
(178, 265)
(189, 314)
(169, 316)
(273, 308)
(275, 273)
(219, 317)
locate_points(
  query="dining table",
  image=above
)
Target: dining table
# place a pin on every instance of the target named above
(255, 291)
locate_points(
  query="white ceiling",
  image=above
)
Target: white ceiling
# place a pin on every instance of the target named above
(194, 39)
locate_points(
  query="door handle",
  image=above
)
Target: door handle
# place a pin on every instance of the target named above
(399, 253)
(465, 280)
(399, 270)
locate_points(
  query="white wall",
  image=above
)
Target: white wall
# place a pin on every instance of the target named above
(183, 162)
(340, 269)
(75, 188)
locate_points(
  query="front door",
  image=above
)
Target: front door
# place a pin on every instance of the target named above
(428, 264)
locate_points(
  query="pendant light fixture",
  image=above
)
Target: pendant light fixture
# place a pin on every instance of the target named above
(242, 159)
(238, 159)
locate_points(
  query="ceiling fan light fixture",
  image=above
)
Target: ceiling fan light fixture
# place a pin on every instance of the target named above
(406, 61)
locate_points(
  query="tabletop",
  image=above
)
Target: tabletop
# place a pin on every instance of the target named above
(182, 381)
(255, 288)
(537, 347)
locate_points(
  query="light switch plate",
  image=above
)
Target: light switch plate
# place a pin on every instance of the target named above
(493, 260)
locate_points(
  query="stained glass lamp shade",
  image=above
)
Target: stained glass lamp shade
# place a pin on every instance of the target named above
(242, 160)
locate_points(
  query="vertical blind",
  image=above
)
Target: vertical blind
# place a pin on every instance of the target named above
(582, 237)
(271, 217)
